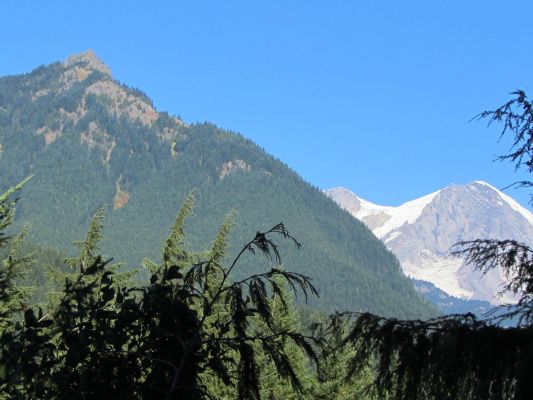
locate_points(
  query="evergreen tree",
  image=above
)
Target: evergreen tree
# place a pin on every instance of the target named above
(88, 254)
(333, 383)
(12, 266)
(334, 378)
(13, 297)
(285, 319)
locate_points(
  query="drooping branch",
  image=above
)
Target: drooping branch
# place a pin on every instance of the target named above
(452, 357)
(516, 115)
(514, 259)
(268, 248)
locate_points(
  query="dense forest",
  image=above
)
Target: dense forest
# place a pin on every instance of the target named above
(188, 331)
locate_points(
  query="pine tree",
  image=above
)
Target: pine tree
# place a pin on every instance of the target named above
(13, 266)
(335, 383)
(13, 297)
(88, 255)
(218, 386)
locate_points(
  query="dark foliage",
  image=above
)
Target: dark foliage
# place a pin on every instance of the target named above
(516, 115)
(108, 340)
(516, 261)
(451, 357)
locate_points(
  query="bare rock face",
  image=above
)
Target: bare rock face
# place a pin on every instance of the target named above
(421, 232)
(346, 199)
(119, 101)
(233, 166)
(123, 103)
(122, 196)
(87, 61)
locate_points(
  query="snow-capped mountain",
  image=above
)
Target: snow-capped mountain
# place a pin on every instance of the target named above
(421, 232)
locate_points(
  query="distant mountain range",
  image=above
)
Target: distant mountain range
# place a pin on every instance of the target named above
(90, 140)
(420, 233)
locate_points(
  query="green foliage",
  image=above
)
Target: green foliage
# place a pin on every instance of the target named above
(13, 266)
(106, 339)
(173, 253)
(336, 379)
(285, 318)
(333, 382)
(88, 248)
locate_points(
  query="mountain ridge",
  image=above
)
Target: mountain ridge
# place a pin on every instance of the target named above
(90, 140)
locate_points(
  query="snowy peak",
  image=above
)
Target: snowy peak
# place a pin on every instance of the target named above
(407, 213)
(509, 200)
(477, 194)
(345, 198)
(373, 215)
(420, 233)
(381, 219)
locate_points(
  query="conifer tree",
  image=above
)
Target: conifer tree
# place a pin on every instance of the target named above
(13, 266)
(333, 384)
(285, 319)
(13, 297)
(87, 255)
(219, 387)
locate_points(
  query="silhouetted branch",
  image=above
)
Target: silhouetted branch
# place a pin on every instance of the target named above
(514, 259)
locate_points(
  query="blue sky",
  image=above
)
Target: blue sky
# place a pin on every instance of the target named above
(375, 96)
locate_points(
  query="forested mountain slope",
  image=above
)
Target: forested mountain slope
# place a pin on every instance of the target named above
(89, 141)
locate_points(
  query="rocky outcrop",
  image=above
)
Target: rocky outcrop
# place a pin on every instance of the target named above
(121, 196)
(123, 103)
(232, 166)
(79, 66)
(119, 100)
(96, 137)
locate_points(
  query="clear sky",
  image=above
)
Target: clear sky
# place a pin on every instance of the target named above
(375, 96)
